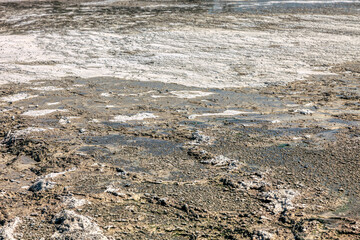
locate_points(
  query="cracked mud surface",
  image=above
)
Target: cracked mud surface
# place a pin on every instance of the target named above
(163, 128)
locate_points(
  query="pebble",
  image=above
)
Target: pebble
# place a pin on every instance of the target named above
(42, 185)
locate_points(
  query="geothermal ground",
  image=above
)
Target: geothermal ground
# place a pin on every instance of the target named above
(179, 120)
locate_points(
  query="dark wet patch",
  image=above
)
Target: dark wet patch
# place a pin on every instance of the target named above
(155, 147)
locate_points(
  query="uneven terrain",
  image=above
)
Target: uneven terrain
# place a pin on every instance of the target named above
(167, 120)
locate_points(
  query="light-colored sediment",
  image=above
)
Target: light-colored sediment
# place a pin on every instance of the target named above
(17, 97)
(235, 57)
(7, 232)
(136, 117)
(225, 113)
(38, 113)
(73, 225)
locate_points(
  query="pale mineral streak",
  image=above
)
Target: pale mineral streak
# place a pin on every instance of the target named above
(225, 113)
(38, 113)
(17, 97)
(136, 117)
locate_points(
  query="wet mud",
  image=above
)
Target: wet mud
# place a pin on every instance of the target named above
(117, 158)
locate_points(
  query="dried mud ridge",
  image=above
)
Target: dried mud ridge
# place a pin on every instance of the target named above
(117, 159)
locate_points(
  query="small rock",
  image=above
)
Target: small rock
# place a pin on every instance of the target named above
(280, 200)
(120, 170)
(7, 231)
(221, 161)
(199, 138)
(163, 201)
(41, 185)
(72, 202)
(115, 192)
(71, 225)
(262, 235)
(64, 120)
(185, 208)
(228, 182)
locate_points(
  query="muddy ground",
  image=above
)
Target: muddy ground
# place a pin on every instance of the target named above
(108, 157)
